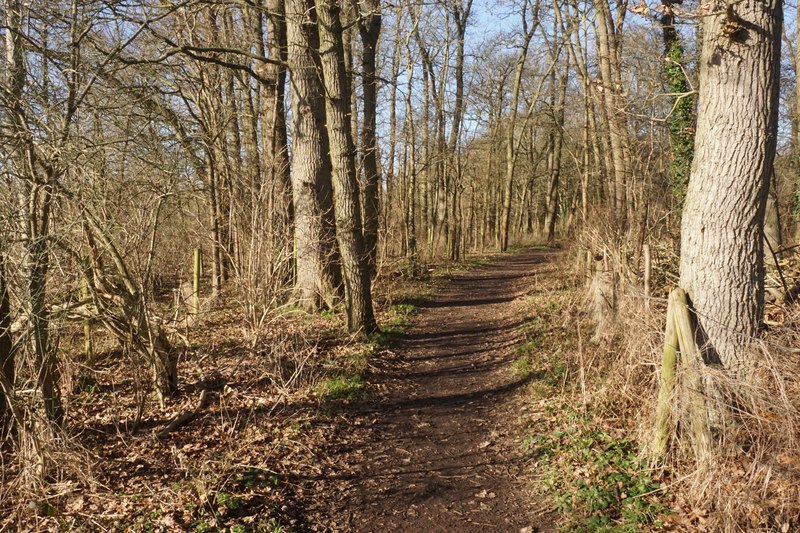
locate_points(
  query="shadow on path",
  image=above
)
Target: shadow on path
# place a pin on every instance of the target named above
(436, 448)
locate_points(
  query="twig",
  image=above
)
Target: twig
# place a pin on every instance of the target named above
(778, 266)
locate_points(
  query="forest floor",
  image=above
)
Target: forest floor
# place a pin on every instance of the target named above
(465, 414)
(436, 447)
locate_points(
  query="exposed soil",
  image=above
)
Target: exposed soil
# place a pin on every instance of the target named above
(436, 446)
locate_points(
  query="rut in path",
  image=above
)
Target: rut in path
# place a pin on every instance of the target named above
(438, 449)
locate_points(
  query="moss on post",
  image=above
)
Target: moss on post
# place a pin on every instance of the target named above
(666, 385)
(690, 358)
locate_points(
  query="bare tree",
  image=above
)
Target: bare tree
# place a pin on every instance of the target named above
(369, 27)
(528, 30)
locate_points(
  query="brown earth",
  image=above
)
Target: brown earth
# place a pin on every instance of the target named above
(436, 447)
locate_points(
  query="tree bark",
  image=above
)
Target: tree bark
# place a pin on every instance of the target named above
(318, 280)
(370, 28)
(347, 205)
(721, 265)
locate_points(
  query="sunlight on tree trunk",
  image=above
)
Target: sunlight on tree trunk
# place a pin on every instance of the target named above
(722, 266)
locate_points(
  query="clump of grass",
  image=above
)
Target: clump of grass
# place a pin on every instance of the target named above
(398, 321)
(341, 387)
(522, 366)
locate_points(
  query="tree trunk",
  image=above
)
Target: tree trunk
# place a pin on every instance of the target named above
(722, 267)
(391, 194)
(347, 205)
(35, 203)
(681, 120)
(511, 126)
(318, 271)
(6, 354)
(609, 66)
(275, 153)
(370, 28)
(558, 145)
(411, 211)
(460, 13)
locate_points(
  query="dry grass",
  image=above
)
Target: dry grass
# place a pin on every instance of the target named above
(750, 479)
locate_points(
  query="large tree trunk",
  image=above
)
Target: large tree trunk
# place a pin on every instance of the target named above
(722, 267)
(318, 272)
(347, 205)
(370, 30)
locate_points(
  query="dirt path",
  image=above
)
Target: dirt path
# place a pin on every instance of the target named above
(438, 448)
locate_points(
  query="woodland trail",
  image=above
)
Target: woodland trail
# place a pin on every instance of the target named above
(437, 448)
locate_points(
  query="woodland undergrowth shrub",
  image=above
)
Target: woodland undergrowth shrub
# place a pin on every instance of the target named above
(750, 479)
(590, 471)
(56, 478)
(43, 470)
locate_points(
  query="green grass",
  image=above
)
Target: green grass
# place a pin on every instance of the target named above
(522, 366)
(341, 387)
(228, 501)
(597, 480)
(399, 320)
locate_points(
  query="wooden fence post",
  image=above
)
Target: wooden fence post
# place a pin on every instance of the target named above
(690, 358)
(666, 384)
(647, 270)
(679, 333)
(88, 348)
(198, 265)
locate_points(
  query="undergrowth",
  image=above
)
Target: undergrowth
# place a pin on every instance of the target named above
(593, 476)
(598, 481)
(743, 473)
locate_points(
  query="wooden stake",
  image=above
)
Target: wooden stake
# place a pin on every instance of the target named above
(198, 262)
(679, 339)
(690, 358)
(666, 384)
(88, 348)
(647, 270)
